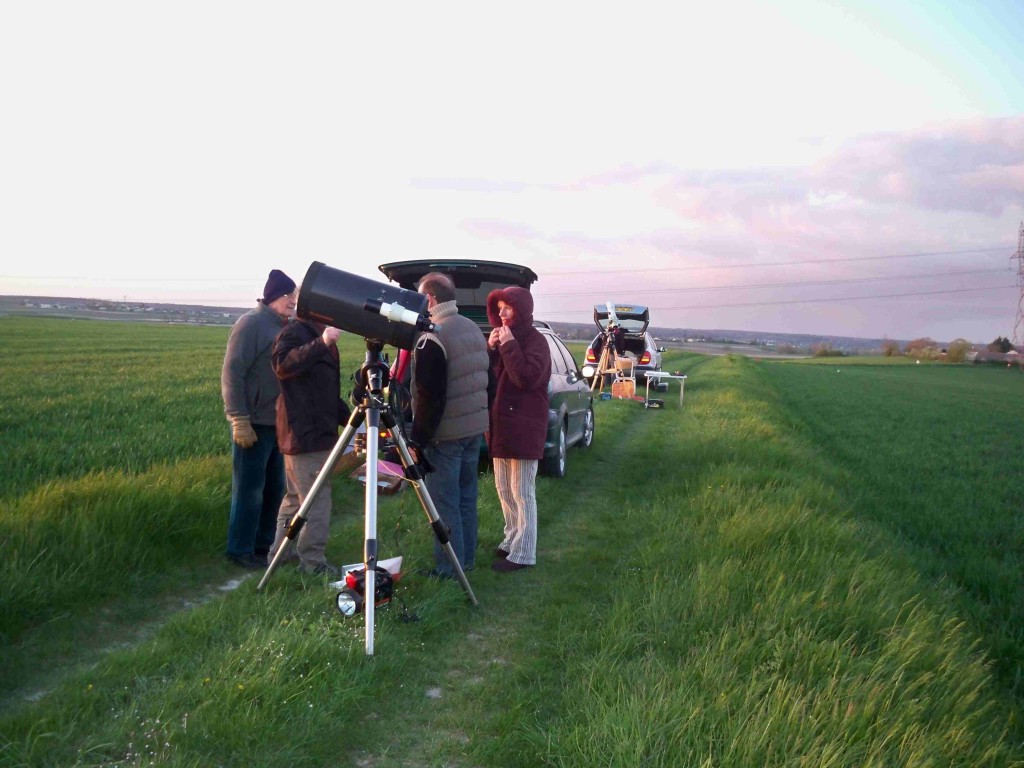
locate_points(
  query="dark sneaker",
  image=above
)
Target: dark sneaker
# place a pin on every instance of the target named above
(499, 552)
(507, 566)
(322, 569)
(252, 562)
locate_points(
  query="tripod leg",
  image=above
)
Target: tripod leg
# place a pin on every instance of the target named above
(608, 370)
(300, 517)
(370, 527)
(431, 511)
(599, 376)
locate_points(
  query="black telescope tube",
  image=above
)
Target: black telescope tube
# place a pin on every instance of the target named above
(340, 299)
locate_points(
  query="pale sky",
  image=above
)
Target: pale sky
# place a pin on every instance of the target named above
(846, 168)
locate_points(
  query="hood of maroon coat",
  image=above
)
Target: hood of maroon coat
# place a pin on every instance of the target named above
(518, 298)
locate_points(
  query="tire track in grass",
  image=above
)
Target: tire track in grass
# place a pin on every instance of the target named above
(108, 633)
(460, 709)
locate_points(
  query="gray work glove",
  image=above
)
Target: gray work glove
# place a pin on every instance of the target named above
(242, 432)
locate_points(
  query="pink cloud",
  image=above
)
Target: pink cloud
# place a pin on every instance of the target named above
(975, 166)
(945, 189)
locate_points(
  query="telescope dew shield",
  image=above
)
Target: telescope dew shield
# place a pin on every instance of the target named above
(347, 301)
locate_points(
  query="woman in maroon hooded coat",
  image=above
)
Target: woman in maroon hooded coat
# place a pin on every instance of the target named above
(520, 373)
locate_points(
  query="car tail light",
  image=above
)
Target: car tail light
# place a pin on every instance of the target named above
(591, 357)
(645, 358)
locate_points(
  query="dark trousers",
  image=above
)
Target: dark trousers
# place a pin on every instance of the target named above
(257, 487)
(453, 489)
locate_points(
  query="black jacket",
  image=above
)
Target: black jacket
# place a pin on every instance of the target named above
(310, 407)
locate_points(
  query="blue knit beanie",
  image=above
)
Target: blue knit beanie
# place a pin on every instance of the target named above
(278, 284)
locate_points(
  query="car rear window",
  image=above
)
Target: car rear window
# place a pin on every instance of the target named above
(628, 325)
(558, 364)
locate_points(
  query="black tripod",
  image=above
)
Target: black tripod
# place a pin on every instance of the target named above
(373, 408)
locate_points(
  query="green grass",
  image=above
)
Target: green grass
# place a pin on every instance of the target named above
(84, 396)
(773, 575)
(769, 625)
(861, 360)
(940, 479)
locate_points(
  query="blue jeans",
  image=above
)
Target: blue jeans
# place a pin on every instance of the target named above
(257, 487)
(452, 487)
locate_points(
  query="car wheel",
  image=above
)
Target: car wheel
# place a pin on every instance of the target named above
(588, 429)
(554, 466)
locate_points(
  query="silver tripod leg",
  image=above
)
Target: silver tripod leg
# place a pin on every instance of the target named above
(370, 527)
(325, 473)
(435, 519)
(372, 416)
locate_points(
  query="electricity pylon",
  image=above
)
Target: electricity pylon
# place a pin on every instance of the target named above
(1019, 256)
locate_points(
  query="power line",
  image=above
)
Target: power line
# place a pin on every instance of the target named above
(164, 279)
(786, 263)
(833, 300)
(122, 279)
(892, 278)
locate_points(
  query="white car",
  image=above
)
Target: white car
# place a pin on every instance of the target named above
(637, 343)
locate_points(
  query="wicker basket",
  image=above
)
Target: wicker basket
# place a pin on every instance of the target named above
(623, 389)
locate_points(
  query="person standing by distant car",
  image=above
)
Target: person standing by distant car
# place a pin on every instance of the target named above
(449, 417)
(249, 389)
(520, 373)
(309, 412)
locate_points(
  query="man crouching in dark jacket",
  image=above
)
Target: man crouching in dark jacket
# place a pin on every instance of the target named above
(309, 412)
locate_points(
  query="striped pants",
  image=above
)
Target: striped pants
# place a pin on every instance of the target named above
(515, 480)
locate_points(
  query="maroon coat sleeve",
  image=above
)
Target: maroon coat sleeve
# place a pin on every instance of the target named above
(528, 365)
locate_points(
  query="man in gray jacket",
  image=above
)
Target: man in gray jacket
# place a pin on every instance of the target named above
(449, 406)
(250, 390)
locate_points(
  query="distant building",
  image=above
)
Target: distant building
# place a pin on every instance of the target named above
(986, 356)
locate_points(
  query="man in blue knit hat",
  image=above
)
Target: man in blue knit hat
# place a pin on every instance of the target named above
(250, 389)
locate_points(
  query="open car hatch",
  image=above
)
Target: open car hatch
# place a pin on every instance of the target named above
(474, 280)
(632, 317)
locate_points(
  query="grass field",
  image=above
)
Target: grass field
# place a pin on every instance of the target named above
(807, 565)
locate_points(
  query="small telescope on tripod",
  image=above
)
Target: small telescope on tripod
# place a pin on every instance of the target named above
(381, 314)
(611, 349)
